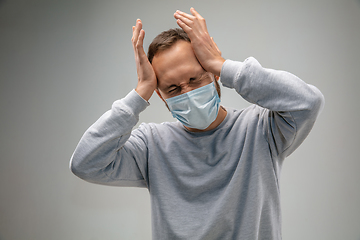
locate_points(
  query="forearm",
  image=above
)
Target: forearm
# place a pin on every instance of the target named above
(268, 88)
(99, 145)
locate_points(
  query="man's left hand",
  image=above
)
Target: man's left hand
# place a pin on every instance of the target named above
(203, 45)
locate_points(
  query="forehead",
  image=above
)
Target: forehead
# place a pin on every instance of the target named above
(176, 64)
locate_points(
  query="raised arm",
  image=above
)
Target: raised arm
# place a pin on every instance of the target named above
(290, 105)
(110, 152)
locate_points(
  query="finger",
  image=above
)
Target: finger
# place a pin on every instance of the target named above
(185, 20)
(185, 15)
(212, 39)
(195, 18)
(133, 40)
(185, 27)
(136, 31)
(201, 21)
(195, 13)
(138, 27)
(140, 47)
(140, 41)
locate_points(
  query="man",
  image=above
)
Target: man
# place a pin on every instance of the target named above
(214, 173)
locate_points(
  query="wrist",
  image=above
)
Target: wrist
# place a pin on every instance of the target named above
(144, 91)
(217, 66)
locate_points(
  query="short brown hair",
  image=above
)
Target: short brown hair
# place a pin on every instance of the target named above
(165, 40)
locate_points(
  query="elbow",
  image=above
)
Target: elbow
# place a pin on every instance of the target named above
(75, 167)
(319, 101)
(316, 101)
(72, 166)
(82, 167)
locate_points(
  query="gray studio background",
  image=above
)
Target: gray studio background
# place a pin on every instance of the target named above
(63, 63)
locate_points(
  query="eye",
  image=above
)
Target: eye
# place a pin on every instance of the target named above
(195, 81)
(173, 90)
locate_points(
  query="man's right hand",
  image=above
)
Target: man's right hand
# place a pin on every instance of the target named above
(147, 82)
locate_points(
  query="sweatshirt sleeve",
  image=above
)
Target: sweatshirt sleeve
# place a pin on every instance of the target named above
(109, 152)
(290, 106)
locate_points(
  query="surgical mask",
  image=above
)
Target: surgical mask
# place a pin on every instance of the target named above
(197, 108)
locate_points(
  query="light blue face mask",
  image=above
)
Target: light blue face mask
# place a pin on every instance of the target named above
(197, 108)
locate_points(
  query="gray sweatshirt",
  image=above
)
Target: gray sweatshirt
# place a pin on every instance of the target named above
(219, 184)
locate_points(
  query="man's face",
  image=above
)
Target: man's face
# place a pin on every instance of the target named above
(178, 70)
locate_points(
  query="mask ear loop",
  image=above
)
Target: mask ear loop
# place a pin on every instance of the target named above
(217, 85)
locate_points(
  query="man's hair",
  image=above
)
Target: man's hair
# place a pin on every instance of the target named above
(165, 40)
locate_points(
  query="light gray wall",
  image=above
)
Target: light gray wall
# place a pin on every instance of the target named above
(63, 63)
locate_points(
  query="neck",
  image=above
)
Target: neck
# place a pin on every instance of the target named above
(220, 117)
